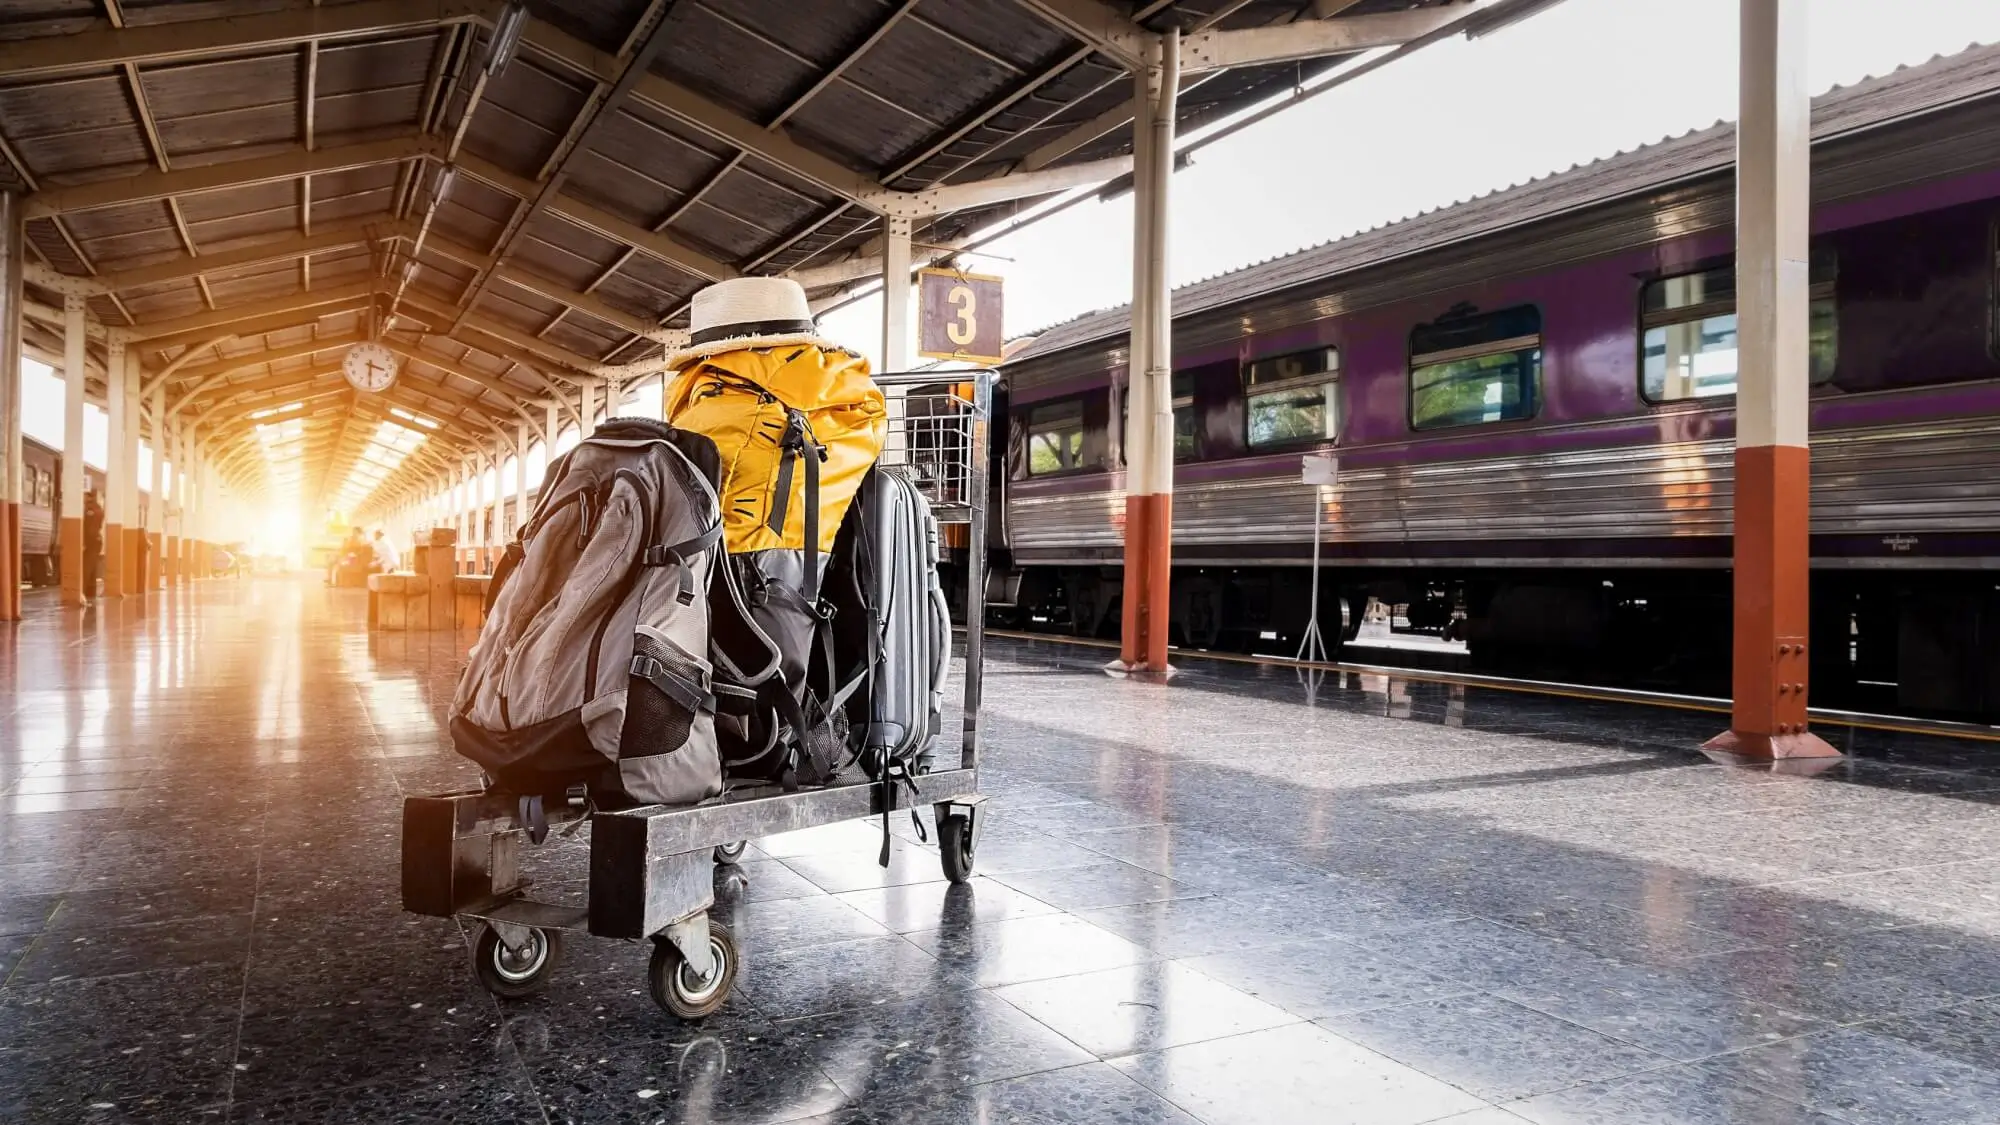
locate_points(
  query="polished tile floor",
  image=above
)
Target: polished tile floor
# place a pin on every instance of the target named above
(1250, 897)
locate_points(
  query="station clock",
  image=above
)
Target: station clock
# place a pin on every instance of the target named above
(369, 366)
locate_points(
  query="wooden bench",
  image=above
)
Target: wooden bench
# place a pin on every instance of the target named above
(402, 601)
(430, 596)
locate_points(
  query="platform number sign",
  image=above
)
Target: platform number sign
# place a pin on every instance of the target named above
(958, 316)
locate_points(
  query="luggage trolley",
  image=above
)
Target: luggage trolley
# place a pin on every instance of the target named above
(651, 868)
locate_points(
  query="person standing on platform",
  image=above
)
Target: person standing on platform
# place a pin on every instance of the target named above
(93, 544)
(387, 560)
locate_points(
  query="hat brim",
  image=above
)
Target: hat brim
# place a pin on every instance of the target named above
(680, 358)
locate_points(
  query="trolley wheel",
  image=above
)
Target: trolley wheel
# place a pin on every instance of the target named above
(955, 846)
(514, 974)
(675, 986)
(731, 853)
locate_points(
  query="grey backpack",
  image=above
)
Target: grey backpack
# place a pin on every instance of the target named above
(592, 667)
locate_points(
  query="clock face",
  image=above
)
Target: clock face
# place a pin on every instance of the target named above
(370, 367)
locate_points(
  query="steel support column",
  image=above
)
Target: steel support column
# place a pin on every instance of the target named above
(115, 469)
(74, 569)
(156, 500)
(1772, 547)
(134, 561)
(12, 268)
(170, 509)
(468, 484)
(1149, 421)
(896, 294)
(521, 436)
(197, 511)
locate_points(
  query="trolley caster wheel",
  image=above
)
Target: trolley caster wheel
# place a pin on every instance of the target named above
(675, 986)
(955, 846)
(731, 854)
(514, 973)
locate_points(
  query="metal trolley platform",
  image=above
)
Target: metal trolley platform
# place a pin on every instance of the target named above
(652, 868)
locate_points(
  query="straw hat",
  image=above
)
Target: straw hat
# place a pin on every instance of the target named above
(748, 312)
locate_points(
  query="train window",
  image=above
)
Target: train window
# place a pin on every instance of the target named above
(1055, 437)
(1993, 289)
(1292, 398)
(1687, 343)
(1473, 368)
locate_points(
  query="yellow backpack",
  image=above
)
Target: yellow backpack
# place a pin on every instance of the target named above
(797, 428)
(765, 408)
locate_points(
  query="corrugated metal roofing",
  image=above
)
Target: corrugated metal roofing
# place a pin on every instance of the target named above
(1943, 81)
(907, 93)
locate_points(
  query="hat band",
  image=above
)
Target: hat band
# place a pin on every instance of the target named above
(751, 328)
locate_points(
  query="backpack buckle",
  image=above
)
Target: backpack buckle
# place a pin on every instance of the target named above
(657, 555)
(646, 667)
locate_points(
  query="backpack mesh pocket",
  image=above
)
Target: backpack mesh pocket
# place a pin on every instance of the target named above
(666, 691)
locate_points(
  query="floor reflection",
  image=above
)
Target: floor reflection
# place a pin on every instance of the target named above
(1260, 895)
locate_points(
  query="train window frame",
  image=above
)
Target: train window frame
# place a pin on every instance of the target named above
(1508, 345)
(1326, 379)
(1993, 288)
(1031, 428)
(1820, 295)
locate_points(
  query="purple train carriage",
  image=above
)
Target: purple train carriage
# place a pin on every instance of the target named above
(1529, 397)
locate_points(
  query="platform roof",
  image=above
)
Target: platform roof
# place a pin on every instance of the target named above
(241, 189)
(1946, 82)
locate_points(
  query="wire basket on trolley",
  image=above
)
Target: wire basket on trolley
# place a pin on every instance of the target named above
(933, 418)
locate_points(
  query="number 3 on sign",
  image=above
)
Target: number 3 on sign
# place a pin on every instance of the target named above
(963, 328)
(959, 315)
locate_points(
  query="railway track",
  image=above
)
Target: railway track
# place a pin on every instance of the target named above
(1899, 724)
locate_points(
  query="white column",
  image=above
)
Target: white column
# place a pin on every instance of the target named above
(1773, 226)
(135, 381)
(183, 490)
(587, 403)
(73, 566)
(199, 517)
(483, 506)
(521, 436)
(156, 497)
(1137, 406)
(116, 485)
(895, 293)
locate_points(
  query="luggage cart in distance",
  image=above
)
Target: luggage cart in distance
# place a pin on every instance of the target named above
(652, 868)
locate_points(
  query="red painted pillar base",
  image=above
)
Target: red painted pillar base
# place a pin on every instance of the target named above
(1146, 622)
(135, 577)
(1772, 609)
(10, 563)
(1132, 620)
(114, 560)
(70, 536)
(1159, 582)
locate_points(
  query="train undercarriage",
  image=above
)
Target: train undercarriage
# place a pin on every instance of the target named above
(1920, 643)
